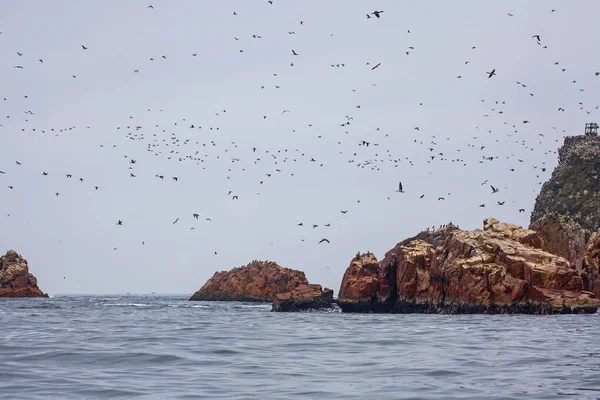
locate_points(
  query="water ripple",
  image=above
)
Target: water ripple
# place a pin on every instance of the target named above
(166, 347)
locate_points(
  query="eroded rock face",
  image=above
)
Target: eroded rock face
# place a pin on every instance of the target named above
(15, 279)
(303, 297)
(360, 283)
(368, 285)
(562, 236)
(500, 269)
(257, 281)
(591, 265)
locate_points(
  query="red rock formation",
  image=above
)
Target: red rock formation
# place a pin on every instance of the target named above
(15, 279)
(303, 297)
(360, 283)
(257, 281)
(501, 268)
(562, 236)
(591, 265)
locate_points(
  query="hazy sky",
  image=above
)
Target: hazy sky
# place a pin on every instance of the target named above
(70, 239)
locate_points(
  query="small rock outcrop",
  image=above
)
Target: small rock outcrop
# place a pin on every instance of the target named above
(15, 279)
(573, 189)
(304, 297)
(562, 236)
(361, 282)
(500, 269)
(258, 281)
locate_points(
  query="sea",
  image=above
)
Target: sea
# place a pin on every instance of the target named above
(166, 347)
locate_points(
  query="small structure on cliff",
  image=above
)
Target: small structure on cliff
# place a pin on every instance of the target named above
(591, 129)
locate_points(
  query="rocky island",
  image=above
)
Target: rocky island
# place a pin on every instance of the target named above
(265, 281)
(502, 268)
(15, 279)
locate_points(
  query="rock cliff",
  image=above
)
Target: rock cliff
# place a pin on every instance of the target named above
(591, 265)
(15, 279)
(562, 236)
(257, 281)
(500, 269)
(574, 187)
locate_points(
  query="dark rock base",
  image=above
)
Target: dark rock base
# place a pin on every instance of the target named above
(304, 306)
(404, 307)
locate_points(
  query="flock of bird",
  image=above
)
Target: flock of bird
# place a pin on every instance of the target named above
(184, 140)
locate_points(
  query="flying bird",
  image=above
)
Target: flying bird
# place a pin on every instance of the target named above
(324, 240)
(375, 66)
(376, 13)
(400, 188)
(491, 73)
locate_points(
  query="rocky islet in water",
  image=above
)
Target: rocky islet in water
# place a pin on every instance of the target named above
(15, 279)
(258, 281)
(502, 268)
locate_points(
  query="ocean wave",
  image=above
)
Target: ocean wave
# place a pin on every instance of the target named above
(166, 347)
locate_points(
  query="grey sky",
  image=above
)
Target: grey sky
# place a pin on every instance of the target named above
(73, 235)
